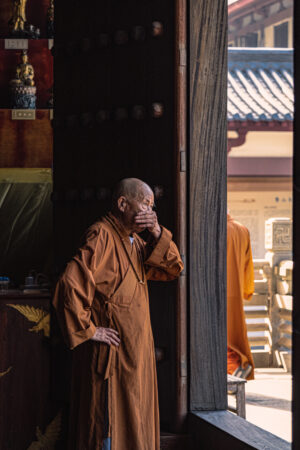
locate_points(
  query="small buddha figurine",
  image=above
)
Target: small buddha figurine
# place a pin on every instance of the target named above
(25, 71)
(18, 20)
(23, 90)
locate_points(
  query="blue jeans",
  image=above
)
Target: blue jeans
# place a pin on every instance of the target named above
(106, 444)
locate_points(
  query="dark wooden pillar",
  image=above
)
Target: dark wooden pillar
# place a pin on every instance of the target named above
(181, 210)
(207, 165)
(296, 240)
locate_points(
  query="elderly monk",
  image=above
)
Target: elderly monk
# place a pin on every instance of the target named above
(103, 308)
(240, 286)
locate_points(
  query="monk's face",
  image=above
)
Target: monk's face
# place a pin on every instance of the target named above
(131, 206)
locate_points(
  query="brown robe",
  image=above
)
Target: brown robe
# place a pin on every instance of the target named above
(100, 287)
(240, 285)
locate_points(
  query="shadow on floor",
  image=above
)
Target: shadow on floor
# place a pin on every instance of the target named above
(268, 402)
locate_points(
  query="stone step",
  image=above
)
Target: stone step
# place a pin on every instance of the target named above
(261, 286)
(257, 299)
(259, 264)
(260, 324)
(259, 338)
(258, 311)
(262, 358)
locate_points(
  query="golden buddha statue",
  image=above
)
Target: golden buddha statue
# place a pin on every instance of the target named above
(23, 90)
(25, 71)
(18, 20)
(18, 26)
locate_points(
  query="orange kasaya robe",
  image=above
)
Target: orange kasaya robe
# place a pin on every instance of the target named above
(100, 287)
(240, 286)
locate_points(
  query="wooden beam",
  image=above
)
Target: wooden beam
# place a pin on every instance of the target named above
(223, 430)
(181, 210)
(256, 26)
(207, 262)
(240, 9)
(248, 125)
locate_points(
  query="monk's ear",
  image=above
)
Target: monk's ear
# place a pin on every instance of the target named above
(122, 203)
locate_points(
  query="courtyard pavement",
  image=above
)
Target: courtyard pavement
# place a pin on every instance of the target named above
(268, 401)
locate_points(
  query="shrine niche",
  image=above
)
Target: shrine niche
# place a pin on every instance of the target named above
(39, 57)
(22, 86)
(27, 19)
(18, 25)
(27, 136)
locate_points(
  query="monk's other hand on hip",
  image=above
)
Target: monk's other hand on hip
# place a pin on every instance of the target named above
(107, 335)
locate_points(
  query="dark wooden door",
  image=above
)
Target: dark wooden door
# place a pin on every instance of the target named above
(116, 103)
(26, 405)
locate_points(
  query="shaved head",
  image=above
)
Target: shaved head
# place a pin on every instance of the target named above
(131, 198)
(130, 188)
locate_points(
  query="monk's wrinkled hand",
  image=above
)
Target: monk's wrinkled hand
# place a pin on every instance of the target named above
(148, 220)
(107, 335)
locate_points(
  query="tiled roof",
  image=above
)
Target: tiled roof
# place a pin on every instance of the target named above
(260, 84)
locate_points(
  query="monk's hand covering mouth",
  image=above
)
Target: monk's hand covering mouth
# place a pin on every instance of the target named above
(148, 219)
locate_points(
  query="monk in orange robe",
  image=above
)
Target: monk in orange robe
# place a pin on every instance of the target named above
(240, 286)
(102, 304)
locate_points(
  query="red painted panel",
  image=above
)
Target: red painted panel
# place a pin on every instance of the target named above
(25, 143)
(246, 167)
(42, 61)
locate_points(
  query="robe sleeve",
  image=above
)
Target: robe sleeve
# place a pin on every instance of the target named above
(75, 291)
(163, 260)
(249, 273)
